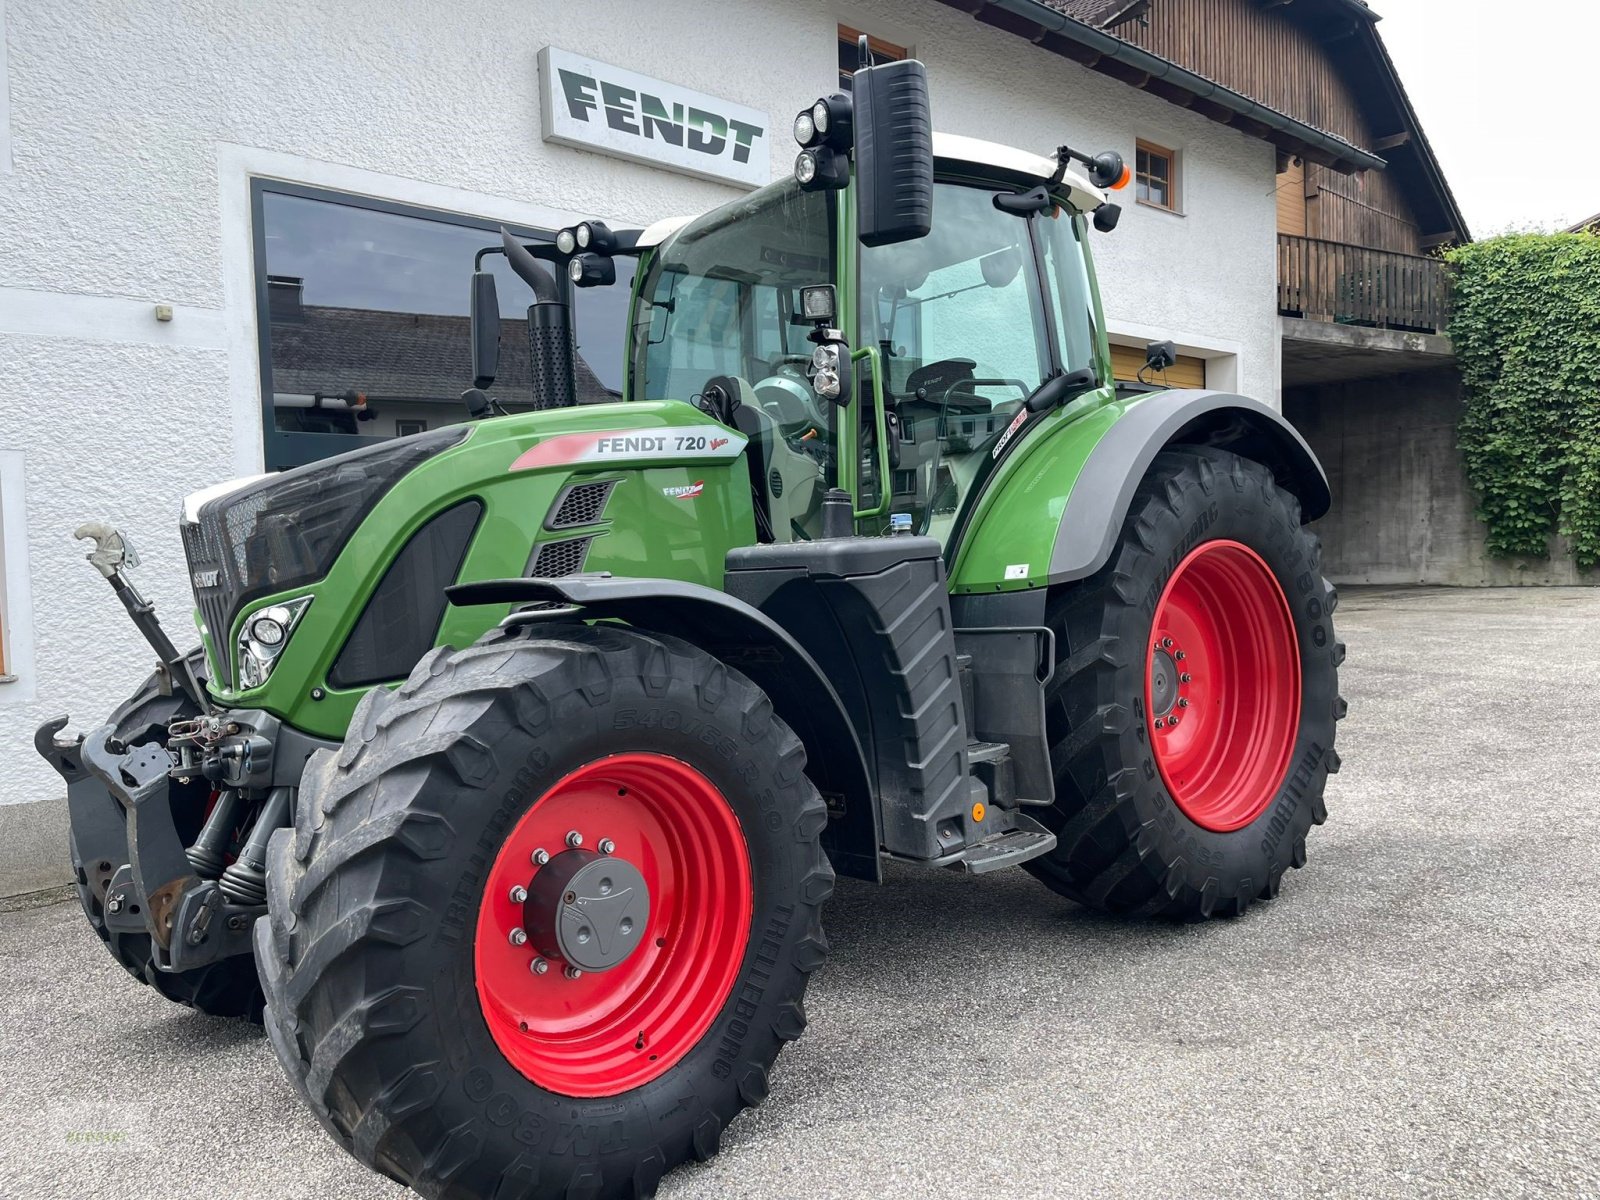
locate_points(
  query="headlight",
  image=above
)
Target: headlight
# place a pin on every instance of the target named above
(263, 637)
(805, 128)
(819, 116)
(805, 167)
(268, 629)
(566, 241)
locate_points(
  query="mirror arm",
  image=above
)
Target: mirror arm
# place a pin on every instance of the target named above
(1058, 389)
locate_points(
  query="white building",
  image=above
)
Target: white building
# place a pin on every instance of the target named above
(159, 162)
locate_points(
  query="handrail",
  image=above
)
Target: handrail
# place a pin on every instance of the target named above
(881, 429)
(1322, 280)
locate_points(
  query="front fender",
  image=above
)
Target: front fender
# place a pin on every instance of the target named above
(1055, 517)
(751, 642)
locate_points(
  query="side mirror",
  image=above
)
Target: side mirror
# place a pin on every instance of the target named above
(894, 153)
(485, 329)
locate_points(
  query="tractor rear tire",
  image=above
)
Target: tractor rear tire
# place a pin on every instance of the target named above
(1192, 713)
(413, 997)
(227, 988)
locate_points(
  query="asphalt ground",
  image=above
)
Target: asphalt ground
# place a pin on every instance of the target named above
(1418, 1014)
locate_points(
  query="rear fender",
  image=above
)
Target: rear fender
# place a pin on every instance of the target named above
(752, 643)
(1103, 491)
(1053, 512)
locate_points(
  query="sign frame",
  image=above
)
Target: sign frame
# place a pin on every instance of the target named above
(606, 109)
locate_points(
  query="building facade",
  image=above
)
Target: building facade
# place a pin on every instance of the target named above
(234, 237)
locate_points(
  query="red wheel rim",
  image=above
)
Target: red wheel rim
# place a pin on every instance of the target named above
(1222, 695)
(611, 1030)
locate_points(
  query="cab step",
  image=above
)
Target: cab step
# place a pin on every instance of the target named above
(1028, 839)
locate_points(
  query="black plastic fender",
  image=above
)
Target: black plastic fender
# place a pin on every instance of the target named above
(752, 643)
(1104, 489)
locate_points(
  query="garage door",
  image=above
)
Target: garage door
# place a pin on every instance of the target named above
(1187, 372)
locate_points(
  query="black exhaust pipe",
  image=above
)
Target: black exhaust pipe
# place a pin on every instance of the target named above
(550, 339)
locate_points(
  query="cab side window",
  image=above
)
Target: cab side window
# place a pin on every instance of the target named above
(958, 318)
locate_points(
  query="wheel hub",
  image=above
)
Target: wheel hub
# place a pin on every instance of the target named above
(589, 910)
(1163, 682)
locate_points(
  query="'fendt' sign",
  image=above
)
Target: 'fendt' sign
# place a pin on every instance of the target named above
(596, 106)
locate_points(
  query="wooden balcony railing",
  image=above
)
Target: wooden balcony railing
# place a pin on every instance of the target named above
(1352, 285)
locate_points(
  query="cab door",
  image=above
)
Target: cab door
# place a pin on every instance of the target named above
(955, 328)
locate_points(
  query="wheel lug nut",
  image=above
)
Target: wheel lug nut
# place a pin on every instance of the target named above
(572, 972)
(540, 857)
(1173, 719)
(519, 938)
(538, 966)
(607, 846)
(574, 839)
(1160, 724)
(1166, 643)
(1183, 702)
(1180, 656)
(519, 894)
(1186, 678)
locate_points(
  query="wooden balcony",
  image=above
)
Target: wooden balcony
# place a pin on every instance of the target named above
(1353, 285)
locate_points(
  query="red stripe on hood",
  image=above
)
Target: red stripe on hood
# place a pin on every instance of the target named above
(558, 450)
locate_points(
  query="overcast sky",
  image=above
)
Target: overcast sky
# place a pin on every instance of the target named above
(1509, 96)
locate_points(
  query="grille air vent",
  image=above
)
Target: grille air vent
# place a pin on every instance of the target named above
(555, 559)
(580, 504)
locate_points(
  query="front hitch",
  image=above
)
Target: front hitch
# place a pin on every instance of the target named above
(133, 857)
(112, 556)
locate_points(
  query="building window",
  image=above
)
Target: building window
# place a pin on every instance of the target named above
(16, 616)
(1156, 176)
(362, 311)
(850, 54)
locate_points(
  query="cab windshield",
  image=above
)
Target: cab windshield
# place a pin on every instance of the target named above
(718, 301)
(718, 297)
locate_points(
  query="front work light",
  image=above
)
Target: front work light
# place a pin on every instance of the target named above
(567, 241)
(817, 303)
(805, 129)
(832, 118)
(820, 168)
(591, 270)
(825, 123)
(596, 236)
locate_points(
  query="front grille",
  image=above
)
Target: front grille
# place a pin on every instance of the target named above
(212, 594)
(580, 504)
(555, 559)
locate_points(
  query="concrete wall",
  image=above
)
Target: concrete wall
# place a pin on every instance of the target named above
(1402, 509)
(134, 127)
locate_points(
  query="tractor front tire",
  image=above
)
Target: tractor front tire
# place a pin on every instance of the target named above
(1192, 712)
(227, 988)
(544, 922)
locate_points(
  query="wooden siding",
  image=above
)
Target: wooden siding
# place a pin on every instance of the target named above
(1364, 210)
(1187, 372)
(1292, 198)
(1259, 52)
(1267, 56)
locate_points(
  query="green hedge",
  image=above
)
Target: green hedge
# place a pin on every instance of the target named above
(1526, 329)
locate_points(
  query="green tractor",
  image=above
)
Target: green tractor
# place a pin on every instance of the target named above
(520, 756)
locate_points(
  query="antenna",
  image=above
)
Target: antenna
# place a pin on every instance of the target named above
(864, 53)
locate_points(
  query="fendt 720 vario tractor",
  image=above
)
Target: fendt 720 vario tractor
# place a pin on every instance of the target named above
(520, 756)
